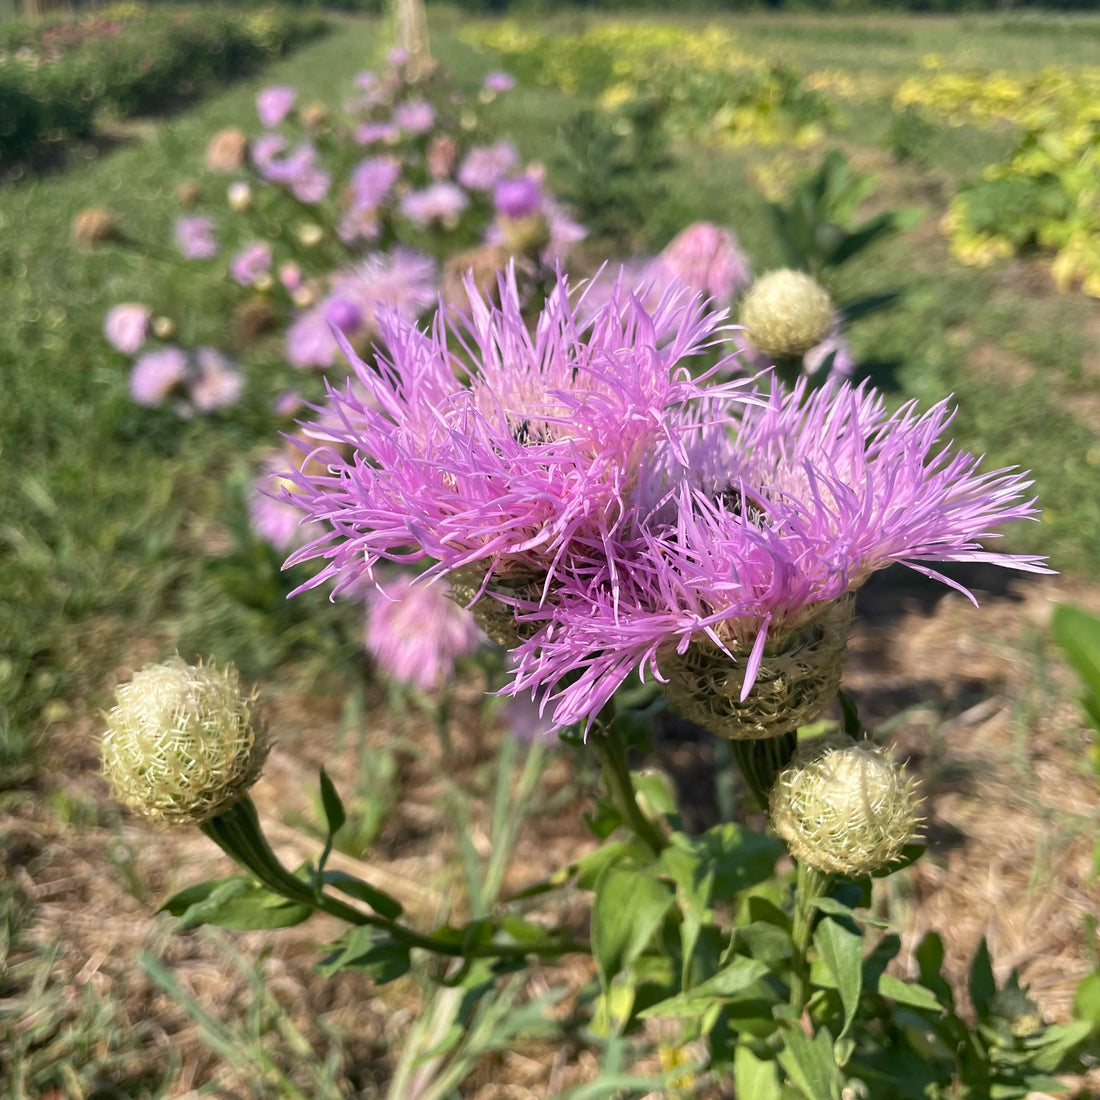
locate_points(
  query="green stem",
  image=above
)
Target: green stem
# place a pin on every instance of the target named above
(237, 832)
(620, 788)
(761, 761)
(810, 884)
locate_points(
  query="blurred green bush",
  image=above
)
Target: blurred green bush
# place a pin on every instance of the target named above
(57, 76)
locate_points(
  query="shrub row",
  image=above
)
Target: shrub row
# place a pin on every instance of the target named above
(56, 77)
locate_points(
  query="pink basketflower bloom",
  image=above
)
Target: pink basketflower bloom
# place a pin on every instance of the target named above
(266, 148)
(415, 631)
(369, 133)
(486, 165)
(416, 116)
(274, 104)
(373, 179)
(300, 172)
(518, 198)
(499, 81)
(250, 263)
(195, 237)
(156, 374)
(708, 259)
(276, 521)
(439, 202)
(216, 382)
(126, 326)
(770, 524)
(491, 447)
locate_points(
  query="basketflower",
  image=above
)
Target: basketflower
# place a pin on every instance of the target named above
(709, 259)
(498, 452)
(486, 165)
(195, 237)
(126, 326)
(736, 595)
(275, 103)
(416, 632)
(183, 742)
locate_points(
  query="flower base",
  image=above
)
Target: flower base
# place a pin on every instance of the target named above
(496, 618)
(798, 676)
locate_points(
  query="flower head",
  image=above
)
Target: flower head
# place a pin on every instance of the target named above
(226, 150)
(126, 326)
(157, 374)
(786, 312)
(709, 260)
(95, 225)
(182, 742)
(195, 237)
(485, 165)
(736, 566)
(416, 116)
(275, 103)
(416, 632)
(253, 261)
(499, 449)
(438, 202)
(844, 807)
(518, 198)
(499, 81)
(216, 382)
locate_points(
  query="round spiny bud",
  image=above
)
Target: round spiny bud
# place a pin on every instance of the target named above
(844, 807)
(95, 225)
(182, 742)
(786, 313)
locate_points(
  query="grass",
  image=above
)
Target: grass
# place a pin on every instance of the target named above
(116, 519)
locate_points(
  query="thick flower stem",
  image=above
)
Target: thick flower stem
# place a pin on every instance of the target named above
(761, 761)
(810, 884)
(237, 832)
(620, 788)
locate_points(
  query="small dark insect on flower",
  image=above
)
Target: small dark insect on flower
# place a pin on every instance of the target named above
(732, 500)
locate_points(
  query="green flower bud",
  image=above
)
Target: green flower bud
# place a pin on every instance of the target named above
(182, 742)
(786, 313)
(845, 808)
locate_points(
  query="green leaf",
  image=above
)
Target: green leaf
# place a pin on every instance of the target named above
(180, 902)
(656, 795)
(755, 1078)
(369, 950)
(1086, 1000)
(833, 908)
(842, 952)
(763, 941)
(741, 858)
(628, 908)
(334, 808)
(929, 956)
(240, 904)
(853, 311)
(982, 984)
(1078, 633)
(694, 878)
(809, 1064)
(726, 985)
(381, 902)
(908, 993)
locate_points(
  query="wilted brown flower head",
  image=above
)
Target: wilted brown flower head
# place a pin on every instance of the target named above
(226, 150)
(95, 225)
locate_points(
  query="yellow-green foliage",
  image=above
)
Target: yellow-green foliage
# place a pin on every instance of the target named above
(1047, 193)
(714, 90)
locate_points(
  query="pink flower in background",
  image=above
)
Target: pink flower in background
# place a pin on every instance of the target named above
(708, 259)
(403, 280)
(499, 81)
(290, 275)
(371, 132)
(216, 383)
(300, 172)
(126, 326)
(195, 237)
(287, 403)
(397, 57)
(266, 148)
(441, 202)
(372, 180)
(522, 720)
(417, 116)
(486, 165)
(276, 520)
(518, 198)
(250, 263)
(416, 632)
(309, 341)
(342, 314)
(834, 345)
(274, 104)
(360, 223)
(156, 374)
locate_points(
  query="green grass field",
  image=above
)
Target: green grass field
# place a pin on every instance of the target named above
(113, 516)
